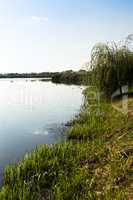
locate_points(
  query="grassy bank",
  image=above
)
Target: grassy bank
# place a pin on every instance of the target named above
(96, 162)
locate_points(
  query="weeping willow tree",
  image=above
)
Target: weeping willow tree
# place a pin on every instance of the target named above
(112, 67)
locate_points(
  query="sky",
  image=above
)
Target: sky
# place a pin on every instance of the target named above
(57, 35)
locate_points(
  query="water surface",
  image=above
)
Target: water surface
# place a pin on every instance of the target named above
(31, 113)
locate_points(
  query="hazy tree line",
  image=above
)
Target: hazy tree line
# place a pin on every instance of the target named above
(68, 77)
(28, 75)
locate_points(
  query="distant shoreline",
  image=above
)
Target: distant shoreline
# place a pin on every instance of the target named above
(81, 77)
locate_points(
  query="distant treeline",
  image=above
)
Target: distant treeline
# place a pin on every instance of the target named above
(28, 75)
(68, 77)
(72, 77)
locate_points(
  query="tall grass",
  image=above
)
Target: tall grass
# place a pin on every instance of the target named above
(96, 161)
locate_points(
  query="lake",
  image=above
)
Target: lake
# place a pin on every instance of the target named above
(33, 112)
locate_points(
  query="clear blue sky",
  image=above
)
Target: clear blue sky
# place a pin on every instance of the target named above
(55, 35)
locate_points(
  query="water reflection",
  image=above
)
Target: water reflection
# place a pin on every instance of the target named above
(32, 113)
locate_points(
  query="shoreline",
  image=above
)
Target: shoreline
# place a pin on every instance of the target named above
(93, 163)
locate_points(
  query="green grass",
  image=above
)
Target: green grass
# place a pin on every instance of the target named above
(96, 161)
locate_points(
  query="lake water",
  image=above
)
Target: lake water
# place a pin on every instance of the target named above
(33, 112)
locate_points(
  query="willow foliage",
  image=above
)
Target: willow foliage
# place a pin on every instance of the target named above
(112, 67)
